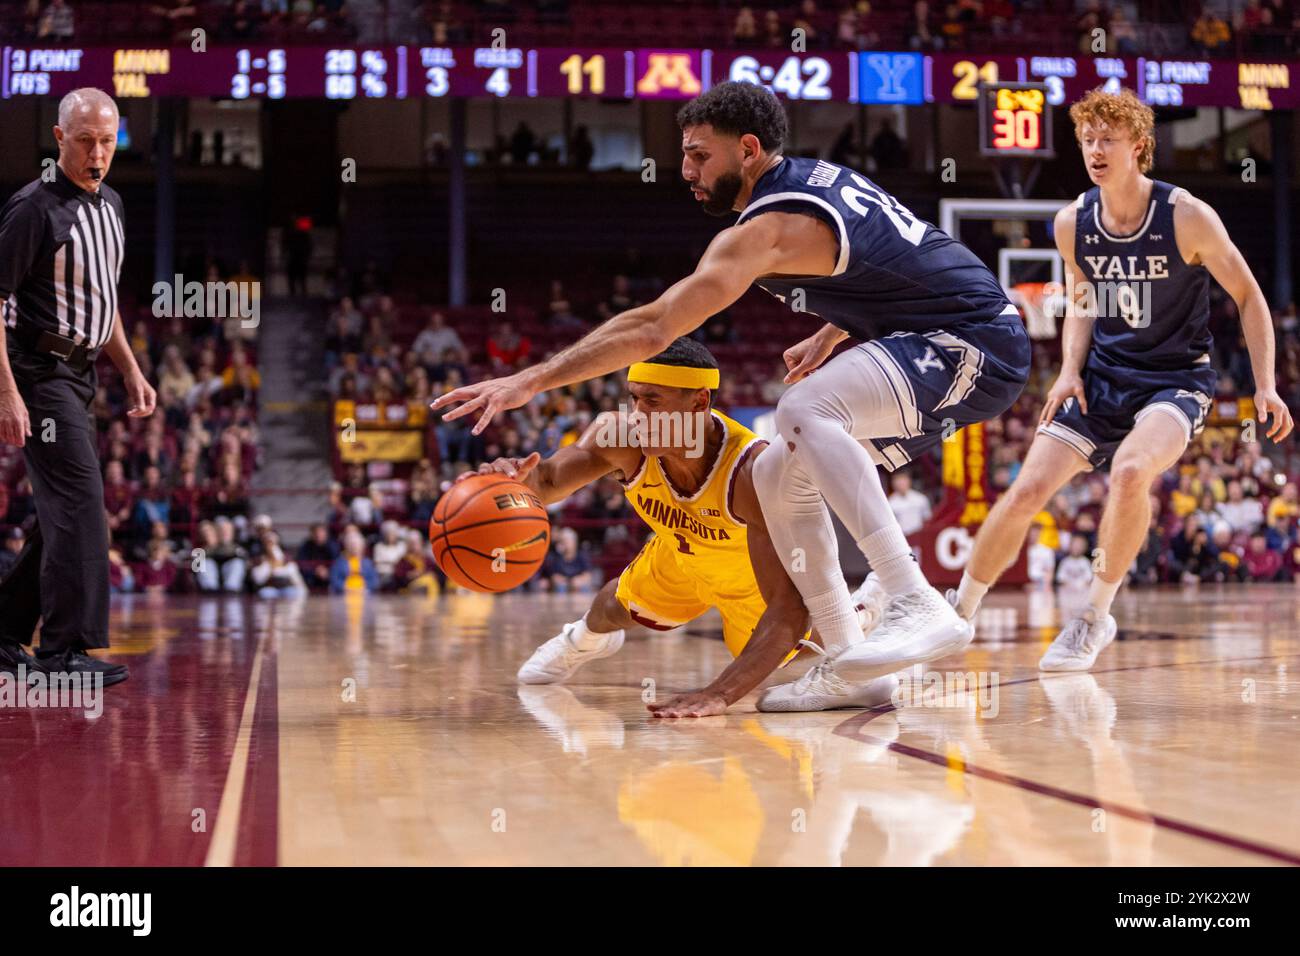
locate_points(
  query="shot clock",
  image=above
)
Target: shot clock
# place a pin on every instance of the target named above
(1015, 120)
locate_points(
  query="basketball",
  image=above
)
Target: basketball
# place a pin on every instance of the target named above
(489, 533)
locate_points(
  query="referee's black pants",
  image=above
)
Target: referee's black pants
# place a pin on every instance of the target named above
(61, 577)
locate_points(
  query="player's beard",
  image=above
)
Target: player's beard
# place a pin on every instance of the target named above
(721, 199)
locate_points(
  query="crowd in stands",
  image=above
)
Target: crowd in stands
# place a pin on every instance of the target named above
(1225, 27)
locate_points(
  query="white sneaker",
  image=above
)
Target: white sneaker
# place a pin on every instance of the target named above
(822, 689)
(1077, 646)
(950, 596)
(916, 627)
(869, 601)
(559, 659)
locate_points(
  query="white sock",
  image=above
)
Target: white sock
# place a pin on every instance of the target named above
(804, 539)
(1101, 594)
(969, 594)
(891, 558)
(835, 618)
(584, 638)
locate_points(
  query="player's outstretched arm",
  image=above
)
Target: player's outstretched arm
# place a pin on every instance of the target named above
(589, 459)
(735, 258)
(1203, 238)
(783, 624)
(1076, 329)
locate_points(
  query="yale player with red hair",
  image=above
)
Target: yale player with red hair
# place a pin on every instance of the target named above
(1136, 379)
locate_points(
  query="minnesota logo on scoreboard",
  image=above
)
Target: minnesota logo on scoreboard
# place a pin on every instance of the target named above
(668, 74)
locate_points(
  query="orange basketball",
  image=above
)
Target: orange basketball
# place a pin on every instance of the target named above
(489, 533)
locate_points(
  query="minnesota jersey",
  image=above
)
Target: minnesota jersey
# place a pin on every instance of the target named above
(894, 273)
(1153, 309)
(708, 541)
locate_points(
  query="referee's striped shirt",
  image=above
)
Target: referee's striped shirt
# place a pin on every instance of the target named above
(60, 259)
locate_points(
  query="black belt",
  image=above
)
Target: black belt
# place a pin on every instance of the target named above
(78, 357)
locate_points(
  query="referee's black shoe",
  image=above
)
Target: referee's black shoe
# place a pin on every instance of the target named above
(79, 662)
(12, 656)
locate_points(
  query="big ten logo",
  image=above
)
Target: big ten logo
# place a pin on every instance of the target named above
(710, 513)
(952, 547)
(514, 499)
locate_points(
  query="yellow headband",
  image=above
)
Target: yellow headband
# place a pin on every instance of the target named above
(674, 376)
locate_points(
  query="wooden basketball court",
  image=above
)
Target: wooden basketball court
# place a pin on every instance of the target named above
(390, 730)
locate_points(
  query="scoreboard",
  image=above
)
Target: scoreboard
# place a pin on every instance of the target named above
(401, 72)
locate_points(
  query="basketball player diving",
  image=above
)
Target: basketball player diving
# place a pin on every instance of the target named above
(943, 347)
(1136, 379)
(687, 471)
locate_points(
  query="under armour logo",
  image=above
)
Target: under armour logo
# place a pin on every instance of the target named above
(927, 361)
(1091, 239)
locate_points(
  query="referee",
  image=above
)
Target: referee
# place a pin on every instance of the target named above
(61, 248)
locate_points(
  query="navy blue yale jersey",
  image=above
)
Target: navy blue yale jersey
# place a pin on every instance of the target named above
(896, 273)
(1151, 339)
(938, 325)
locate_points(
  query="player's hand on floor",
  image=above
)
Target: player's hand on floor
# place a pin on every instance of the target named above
(696, 703)
(1066, 387)
(1268, 404)
(489, 397)
(516, 468)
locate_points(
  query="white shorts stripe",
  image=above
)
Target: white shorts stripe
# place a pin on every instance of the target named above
(896, 456)
(968, 370)
(1072, 438)
(1171, 409)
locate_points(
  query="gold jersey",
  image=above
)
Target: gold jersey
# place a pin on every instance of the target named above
(708, 542)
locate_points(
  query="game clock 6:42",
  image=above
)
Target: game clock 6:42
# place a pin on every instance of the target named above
(791, 76)
(1015, 120)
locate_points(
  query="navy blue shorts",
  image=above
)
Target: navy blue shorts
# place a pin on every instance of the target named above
(1119, 398)
(947, 378)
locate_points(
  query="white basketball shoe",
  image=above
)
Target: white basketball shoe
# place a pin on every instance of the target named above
(822, 689)
(1077, 646)
(916, 627)
(559, 658)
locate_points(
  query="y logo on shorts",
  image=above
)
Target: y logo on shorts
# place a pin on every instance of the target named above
(928, 361)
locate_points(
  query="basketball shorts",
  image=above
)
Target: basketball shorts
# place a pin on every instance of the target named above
(1120, 398)
(945, 379)
(660, 595)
